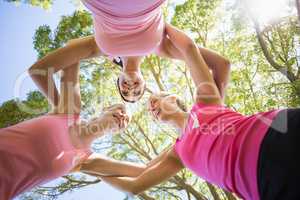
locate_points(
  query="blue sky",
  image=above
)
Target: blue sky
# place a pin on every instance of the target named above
(18, 25)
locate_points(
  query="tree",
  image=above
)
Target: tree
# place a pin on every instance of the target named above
(15, 111)
(198, 17)
(298, 9)
(139, 143)
(256, 85)
(279, 43)
(45, 4)
(70, 27)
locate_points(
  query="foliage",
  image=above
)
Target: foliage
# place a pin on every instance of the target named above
(15, 111)
(194, 14)
(70, 27)
(257, 84)
(45, 4)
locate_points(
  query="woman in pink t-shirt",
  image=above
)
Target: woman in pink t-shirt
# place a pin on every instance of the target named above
(127, 30)
(39, 150)
(247, 155)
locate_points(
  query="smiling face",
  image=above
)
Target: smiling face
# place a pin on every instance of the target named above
(163, 106)
(131, 86)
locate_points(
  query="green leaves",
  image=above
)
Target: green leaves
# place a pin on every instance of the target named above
(197, 17)
(255, 85)
(45, 4)
(70, 27)
(43, 42)
(15, 111)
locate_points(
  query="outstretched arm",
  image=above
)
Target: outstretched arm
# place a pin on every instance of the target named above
(42, 71)
(102, 166)
(140, 179)
(99, 165)
(219, 65)
(207, 90)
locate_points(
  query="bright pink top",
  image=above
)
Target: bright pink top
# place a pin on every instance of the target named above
(35, 152)
(127, 27)
(222, 147)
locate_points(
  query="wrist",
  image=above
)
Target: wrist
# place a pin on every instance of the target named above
(94, 128)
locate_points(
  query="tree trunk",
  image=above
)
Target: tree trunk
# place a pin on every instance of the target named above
(298, 9)
(213, 191)
(144, 196)
(229, 195)
(181, 183)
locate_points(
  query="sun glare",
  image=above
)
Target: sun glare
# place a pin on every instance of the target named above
(268, 10)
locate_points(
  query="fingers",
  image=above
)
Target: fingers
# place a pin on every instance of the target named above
(117, 116)
(122, 120)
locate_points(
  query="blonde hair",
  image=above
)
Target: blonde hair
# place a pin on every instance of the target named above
(181, 104)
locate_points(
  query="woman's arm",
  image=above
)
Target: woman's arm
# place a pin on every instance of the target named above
(100, 165)
(42, 71)
(207, 90)
(219, 65)
(167, 166)
(70, 98)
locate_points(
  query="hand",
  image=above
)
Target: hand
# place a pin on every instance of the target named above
(114, 118)
(179, 39)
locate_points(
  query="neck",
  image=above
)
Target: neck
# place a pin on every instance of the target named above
(179, 120)
(131, 64)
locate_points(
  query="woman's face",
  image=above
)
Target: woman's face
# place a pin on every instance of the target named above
(131, 86)
(162, 106)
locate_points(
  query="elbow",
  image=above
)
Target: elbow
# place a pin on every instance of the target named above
(227, 64)
(135, 192)
(39, 69)
(34, 69)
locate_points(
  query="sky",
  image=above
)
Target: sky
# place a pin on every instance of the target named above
(18, 25)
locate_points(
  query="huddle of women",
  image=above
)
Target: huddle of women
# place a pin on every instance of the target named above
(242, 154)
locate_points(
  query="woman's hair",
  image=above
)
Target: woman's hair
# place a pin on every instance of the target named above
(118, 61)
(181, 104)
(124, 99)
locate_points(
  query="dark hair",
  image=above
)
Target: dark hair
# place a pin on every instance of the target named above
(120, 63)
(126, 100)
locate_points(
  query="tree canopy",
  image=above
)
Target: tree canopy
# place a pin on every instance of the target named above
(45, 4)
(265, 75)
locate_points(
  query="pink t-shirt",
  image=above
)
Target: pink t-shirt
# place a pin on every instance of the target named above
(222, 147)
(35, 152)
(127, 27)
